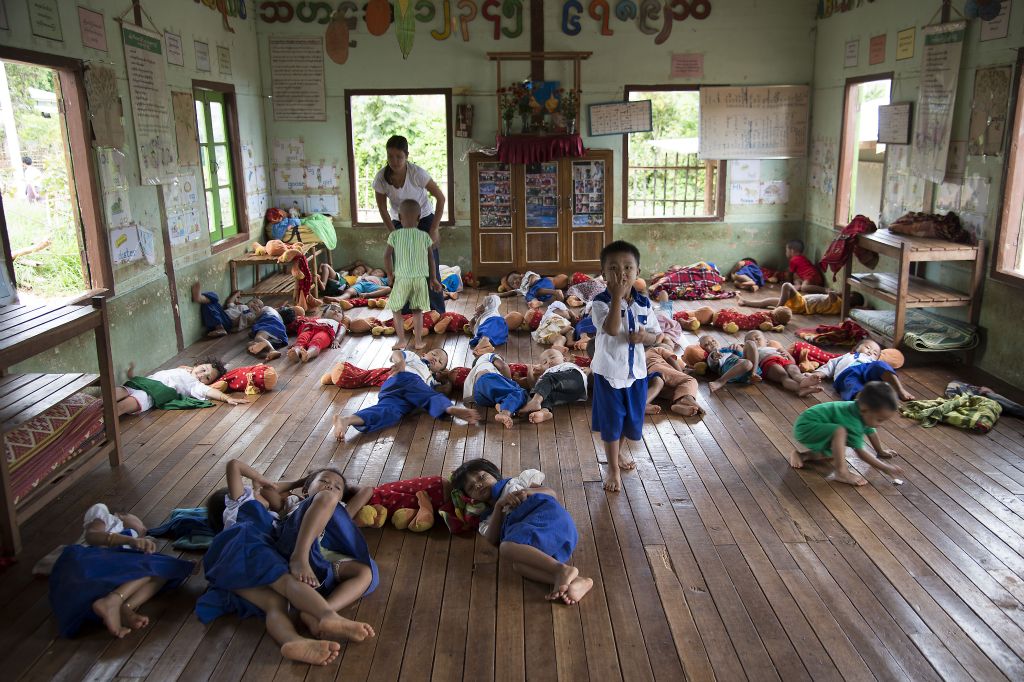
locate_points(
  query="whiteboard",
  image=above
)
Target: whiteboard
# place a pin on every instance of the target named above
(764, 122)
(617, 118)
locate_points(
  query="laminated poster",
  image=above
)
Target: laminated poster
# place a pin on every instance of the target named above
(151, 105)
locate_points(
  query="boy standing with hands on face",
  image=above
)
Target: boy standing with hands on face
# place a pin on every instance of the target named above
(409, 261)
(625, 323)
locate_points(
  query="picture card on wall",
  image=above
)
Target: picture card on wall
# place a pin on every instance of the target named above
(223, 60)
(116, 207)
(124, 245)
(290, 179)
(202, 56)
(94, 33)
(175, 50)
(905, 40)
(851, 54)
(999, 27)
(323, 203)
(287, 201)
(289, 151)
(44, 17)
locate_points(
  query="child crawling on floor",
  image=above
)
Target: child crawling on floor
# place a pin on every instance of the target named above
(827, 429)
(529, 526)
(172, 389)
(829, 303)
(850, 372)
(409, 388)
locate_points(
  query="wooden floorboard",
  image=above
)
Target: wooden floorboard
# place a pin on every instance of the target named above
(716, 561)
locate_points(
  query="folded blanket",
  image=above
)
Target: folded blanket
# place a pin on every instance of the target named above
(965, 411)
(846, 334)
(923, 330)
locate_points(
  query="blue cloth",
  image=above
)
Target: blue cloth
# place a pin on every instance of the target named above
(542, 283)
(274, 328)
(852, 380)
(82, 575)
(586, 326)
(451, 283)
(436, 297)
(279, 229)
(400, 395)
(540, 522)
(729, 358)
(495, 328)
(242, 556)
(340, 535)
(618, 412)
(188, 527)
(492, 390)
(213, 313)
(753, 271)
(364, 287)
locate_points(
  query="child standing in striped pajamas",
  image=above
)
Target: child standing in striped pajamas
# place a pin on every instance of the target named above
(409, 262)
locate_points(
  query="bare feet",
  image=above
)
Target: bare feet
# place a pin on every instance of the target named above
(420, 345)
(796, 460)
(335, 626)
(563, 580)
(612, 482)
(216, 332)
(109, 610)
(301, 571)
(540, 416)
(304, 355)
(754, 379)
(808, 390)
(399, 345)
(686, 409)
(652, 409)
(341, 425)
(906, 395)
(293, 354)
(273, 355)
(134, 620)
(716, 386)
(470, 416)
(504, 418)
(810, 380)
(312, 651)
(850, 477)
(577, 590)
(626, 462)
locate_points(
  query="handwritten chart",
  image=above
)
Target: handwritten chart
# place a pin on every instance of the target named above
(617, 118)
(767, 122)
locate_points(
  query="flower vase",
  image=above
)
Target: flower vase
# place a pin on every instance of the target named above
(525, 120)
(570, 126)
(506, 128)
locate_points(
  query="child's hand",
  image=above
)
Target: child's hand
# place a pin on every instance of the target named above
(146, 545)
(637, 337)
(515, 499)
(435, 285)
(236, 401)
(887, 453)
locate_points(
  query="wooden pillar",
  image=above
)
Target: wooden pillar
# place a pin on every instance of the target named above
(537, 39)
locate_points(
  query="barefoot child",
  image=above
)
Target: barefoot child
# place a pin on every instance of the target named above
(827, 429)
(490, 329)
(270, 332)
(371, 285)
(111, 573)
(556, 326)
(536, 290)
(333, 283)
(181, 388)
(778, 366)
(728, 363)
(317, 335)
(667, 377)
(805, 275)
(233, 316)
(555, 382)
(851, 371)
(410, 387)
(409, 260)
(625, 323)
(826, 303)
(530, 527)
(248, 576)
(490, 384)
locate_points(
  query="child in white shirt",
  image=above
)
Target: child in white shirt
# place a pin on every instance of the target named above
(850, 372)
(190, 383)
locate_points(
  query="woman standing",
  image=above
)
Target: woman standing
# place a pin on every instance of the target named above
(400, 180)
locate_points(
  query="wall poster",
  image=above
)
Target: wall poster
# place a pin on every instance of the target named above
(940, 68)
(297, 78)
(151, 105)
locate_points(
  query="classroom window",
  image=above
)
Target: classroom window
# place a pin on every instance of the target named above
(421, 116)
(861, 157)
(51, 221)
(1008, 263)
(665, 180)
(216, 126)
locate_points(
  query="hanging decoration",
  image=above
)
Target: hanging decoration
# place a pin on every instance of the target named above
(310, 12)
(437, 35)
(599, 11)
(378, 17)
(337, 38)
(425, 11)
(489, 12)
(466, 17)
(827, 8)
(625, 10)
(649, 11)
(571, 11)
(513, 9)
(405, 26)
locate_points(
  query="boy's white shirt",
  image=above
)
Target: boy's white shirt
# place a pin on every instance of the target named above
(529, 478)
(483, 365)
(529, 279)
(611, 354)
(837, 366)
(492, 308)
(111, 522)
(182, 381)
(418, 366)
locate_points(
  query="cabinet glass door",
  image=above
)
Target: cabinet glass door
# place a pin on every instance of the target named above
(590, 188)
(496, 239)
(542, 238)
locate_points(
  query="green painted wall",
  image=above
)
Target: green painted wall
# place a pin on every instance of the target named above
(141, 312)
(1000, 352)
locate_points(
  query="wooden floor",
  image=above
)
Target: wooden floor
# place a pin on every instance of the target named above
(716, 561)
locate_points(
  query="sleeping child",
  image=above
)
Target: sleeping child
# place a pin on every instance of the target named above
(747, 275)
(409, 388)
(334, 283)
(316, 335)
(181, 388)
(535, 289)
(233, 316)
(490, 329)
(531, 528)
(554, 381)
(490, 384)
(729, 363)
(668, 378)
(830, 303)
(371, 285)
(555, 328)
(270, 332)
(850, 372)
(777, 365)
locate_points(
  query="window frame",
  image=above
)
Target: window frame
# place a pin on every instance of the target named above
(719, 214)
(353, 194)
(1012, 211)
(85, 189)
(845, 166)
(227, 91)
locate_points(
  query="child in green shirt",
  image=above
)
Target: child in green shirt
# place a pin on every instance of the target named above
(827, 429)
(409, 261)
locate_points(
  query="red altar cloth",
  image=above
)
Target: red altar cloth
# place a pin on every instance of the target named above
(538, 148)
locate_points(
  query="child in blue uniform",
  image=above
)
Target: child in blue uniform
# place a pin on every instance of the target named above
(270, 332)
(233, 316)
(731, 363)
(489, 328)
(490, 384)
(625, 323)
(850, 372)
(113, 572)
(531, 528)
(326, 549)
(247, 575)
(535, 289)
(410, 387)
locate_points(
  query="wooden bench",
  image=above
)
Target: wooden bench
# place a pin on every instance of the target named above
(281, 282)
(26, 331)
(904, 288)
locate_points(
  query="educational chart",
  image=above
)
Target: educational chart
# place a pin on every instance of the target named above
(989, 109)
(769, 122)
(618, 118)
(184, 209)
(542, 194)
(151, 105)
(587, 193)
(940, 69)
(297, 78)
(494, 187)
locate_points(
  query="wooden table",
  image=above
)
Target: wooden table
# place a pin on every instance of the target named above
(281, 283)
(26, 331)
(904, 288)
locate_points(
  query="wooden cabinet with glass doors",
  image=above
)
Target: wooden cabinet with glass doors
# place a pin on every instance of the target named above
(549, 217)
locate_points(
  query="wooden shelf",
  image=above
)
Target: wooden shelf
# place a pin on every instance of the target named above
(921, 293)
(281, 284)
(24, 396)
(918, 249)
